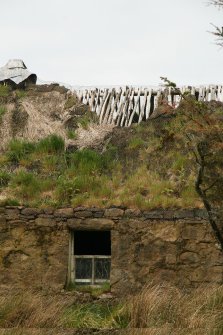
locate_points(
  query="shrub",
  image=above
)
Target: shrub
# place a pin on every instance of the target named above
(51, 144)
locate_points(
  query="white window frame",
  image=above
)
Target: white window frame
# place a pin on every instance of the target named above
(92, 280)
(72, 265)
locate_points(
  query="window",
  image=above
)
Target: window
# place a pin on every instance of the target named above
(91, 257)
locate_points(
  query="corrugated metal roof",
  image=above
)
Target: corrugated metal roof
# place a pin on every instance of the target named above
(15, 70)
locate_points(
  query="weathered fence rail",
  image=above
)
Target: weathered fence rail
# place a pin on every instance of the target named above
(124, 106)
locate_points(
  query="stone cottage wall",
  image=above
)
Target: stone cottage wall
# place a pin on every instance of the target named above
(147, 247)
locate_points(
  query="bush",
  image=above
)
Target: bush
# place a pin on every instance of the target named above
(18, 150)
(51, 144)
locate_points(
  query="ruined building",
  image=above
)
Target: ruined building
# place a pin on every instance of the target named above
(15, 74)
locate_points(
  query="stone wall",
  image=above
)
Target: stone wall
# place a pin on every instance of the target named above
(156, 246)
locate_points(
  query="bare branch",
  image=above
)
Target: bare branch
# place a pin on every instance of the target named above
(218, 3)
(212, 185)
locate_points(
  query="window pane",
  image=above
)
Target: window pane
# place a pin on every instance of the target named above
(102, 268)
(83, 268)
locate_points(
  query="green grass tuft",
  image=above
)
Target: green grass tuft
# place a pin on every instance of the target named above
(26, 184)
(18, 150)
(51, 144)
(71, 135)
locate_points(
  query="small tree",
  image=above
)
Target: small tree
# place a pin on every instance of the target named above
(218, 31)
(201, 125)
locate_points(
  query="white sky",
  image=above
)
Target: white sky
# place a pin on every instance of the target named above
(116, 42)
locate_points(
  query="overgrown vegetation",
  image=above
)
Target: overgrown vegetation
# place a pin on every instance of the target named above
(157, 309)
(146, 168)
(201, 127)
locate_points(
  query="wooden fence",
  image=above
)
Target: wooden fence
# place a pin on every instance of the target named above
(124, 106)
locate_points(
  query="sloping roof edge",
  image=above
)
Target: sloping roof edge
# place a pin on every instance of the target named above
(16, 71)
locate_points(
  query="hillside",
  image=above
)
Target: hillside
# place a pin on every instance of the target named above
(55, 154)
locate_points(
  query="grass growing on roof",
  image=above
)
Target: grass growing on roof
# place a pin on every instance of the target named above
(148, 169)
(3, 110)
(4, 91)
(4, 178)
(52, 144)
(18, 149)
(21, 93)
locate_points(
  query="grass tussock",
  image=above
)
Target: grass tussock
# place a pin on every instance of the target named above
(154, 310)
(166, 310)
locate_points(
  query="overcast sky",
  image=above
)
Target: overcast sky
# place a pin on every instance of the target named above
(116, 42)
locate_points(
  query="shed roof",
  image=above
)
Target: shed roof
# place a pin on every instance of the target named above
(15, 70)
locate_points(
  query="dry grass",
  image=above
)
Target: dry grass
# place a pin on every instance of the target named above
(167, 310)
(156, 310)
(30, 310)
(91, 136)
